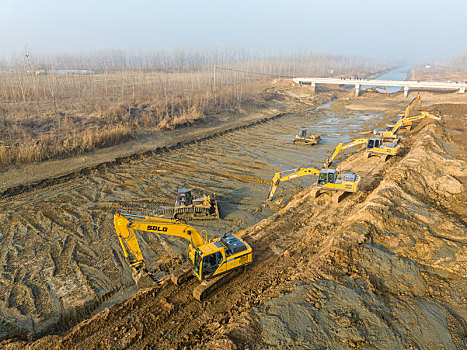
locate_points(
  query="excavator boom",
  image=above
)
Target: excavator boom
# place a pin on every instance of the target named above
(341, 147)
(392, 132)
(289, 174)
(418, 99)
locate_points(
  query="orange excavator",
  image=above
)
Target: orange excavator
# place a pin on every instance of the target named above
(373, 89)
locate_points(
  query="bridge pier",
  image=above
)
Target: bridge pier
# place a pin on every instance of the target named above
(313, 87)
(406, 91)
(357, 90)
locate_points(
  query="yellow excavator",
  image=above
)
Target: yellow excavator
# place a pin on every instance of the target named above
(328, 180)
(373, 89)
(374, 146)
(407, 124)
(214, 261)
(392, 132)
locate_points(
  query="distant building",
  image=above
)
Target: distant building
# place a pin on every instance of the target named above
(427, 66)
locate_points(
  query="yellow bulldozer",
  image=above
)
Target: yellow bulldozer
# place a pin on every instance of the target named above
(187, 207)
(213, 261)
(304, 136)
(327, 180)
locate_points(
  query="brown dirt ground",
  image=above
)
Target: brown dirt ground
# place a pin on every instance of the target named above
(385, 268)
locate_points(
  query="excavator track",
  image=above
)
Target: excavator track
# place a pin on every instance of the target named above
(207, 287)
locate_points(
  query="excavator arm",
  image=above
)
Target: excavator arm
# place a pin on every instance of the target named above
(290, 174)
(372, 89)
(412, 118)
(341, 147)
(418, 99)
(126, 224)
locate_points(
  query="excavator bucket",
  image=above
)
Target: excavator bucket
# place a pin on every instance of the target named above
(143, 279)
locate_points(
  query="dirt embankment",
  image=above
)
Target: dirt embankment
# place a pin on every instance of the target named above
(385, 268)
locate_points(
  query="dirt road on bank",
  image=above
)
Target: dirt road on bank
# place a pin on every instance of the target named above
(385, 268)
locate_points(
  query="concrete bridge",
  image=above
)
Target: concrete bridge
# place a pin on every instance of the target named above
(406, 84)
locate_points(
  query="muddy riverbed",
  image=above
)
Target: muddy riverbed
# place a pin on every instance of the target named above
(60, 253)
(385, 268)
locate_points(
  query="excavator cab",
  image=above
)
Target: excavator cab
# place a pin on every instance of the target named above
(210, 263)
(302, 133)
(184, 198)
(326, 176)
(374, 142)
(216, 257)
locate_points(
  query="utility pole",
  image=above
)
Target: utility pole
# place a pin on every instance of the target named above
(214, 81)
(214, 87)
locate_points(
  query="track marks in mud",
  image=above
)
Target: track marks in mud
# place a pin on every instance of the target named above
(65, 236)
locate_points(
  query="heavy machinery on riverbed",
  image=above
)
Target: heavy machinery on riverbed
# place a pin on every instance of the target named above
(327, 180)
(407, 124)
(392, 131)
(214, 261)
(374, 146)
(304, 136)
(373, 89)
(189, 208)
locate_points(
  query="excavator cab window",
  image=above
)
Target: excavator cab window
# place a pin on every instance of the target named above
(323, 179)
(197, 262)
(331, 178)
(210, 263)
(302, 133)
(372, 143)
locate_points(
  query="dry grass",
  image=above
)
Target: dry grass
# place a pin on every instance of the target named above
(55, 146)
(57, 115)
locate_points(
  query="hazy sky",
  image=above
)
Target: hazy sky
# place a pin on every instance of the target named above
(401, 29)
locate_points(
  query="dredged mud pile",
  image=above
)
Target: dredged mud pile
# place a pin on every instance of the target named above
(385, 268)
